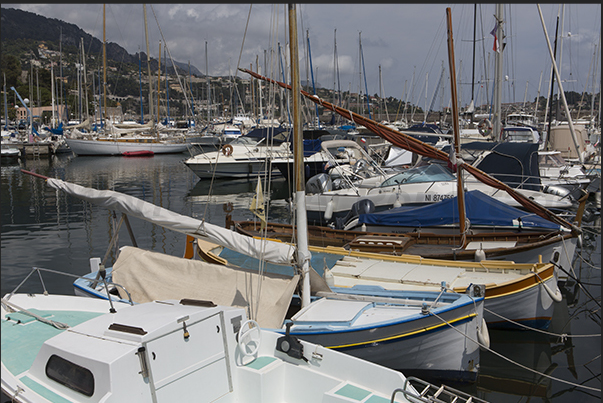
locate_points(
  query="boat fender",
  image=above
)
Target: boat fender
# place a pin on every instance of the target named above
(290, 345)
(483, 336)
(397, 203)
(479, 254)
(329, 209)
(227, 150)
(556, 190)
(555, 295)
(328, 276)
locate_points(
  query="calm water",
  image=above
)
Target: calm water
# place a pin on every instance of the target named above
(45, 228)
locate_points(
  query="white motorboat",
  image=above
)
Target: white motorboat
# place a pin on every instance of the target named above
(75, 349)
(243, 157)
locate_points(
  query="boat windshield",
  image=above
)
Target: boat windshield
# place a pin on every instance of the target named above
(245, 141)
(428, 173)
(553, 160)
(520, 135)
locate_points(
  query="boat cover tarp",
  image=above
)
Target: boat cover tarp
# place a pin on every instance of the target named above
(135, 207)
(272, 135)
(515, 164)
(150, 276)
(480, 209)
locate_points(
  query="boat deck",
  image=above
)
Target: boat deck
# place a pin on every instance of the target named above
(19, 352)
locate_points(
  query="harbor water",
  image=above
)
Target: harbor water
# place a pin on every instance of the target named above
(44, 228)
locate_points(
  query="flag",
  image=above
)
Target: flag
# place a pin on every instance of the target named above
(257, 204)
(493, 33)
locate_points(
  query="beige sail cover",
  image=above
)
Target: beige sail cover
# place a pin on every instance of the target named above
(150, 276)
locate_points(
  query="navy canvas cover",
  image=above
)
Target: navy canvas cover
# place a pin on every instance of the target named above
(480, 209)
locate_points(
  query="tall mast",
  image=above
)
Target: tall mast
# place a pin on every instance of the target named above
(104, 116)
(303, 254)
(54, 119)
(167, 86)
(146, 34)
(85, 80)
(5, 106)
(158, 81)
(208, 88)
(567, 111)
(473, 68)
(456, 130)
(497, 118)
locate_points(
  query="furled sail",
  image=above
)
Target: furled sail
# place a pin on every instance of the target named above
(411, 144)
(274, 252)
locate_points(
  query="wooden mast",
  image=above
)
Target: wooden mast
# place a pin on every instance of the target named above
(456, 137)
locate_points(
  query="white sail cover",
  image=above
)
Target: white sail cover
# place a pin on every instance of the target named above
(275, 252)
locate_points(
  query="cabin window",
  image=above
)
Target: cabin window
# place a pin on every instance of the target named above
(71, 375)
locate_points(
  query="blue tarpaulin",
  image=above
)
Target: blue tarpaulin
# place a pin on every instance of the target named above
(480, 209)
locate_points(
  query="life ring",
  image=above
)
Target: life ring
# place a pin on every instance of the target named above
(36, 139)
(485, 127)
(227, 149)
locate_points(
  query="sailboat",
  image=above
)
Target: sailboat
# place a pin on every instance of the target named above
(125, 140)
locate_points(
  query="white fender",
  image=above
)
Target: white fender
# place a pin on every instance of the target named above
(555, 295)
(397, 203)
(329, 209)
(328, 276)
(483, 336)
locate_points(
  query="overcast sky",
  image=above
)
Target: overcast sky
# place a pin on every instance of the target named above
(408, 41)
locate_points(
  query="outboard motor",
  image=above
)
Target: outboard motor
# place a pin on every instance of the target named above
(362, 206)
(319, 184)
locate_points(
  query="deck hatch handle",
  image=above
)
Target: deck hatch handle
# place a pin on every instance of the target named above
(127, 329)
(197, 302)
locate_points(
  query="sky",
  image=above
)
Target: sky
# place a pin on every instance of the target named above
(404, 46)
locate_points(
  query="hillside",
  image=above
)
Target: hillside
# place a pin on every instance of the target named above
(18, 26)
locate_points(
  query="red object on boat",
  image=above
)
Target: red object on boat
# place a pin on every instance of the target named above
(142, 153)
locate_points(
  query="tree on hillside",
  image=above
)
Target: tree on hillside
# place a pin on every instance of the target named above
(11, 66)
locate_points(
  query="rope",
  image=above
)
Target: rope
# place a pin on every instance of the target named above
(514, 362)
(563, 336)
(16, 308)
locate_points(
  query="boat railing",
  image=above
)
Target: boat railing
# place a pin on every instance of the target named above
(430, 393)
(40, 269)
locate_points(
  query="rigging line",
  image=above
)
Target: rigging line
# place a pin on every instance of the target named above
(562, 336)
(514, 362)
(579, 284)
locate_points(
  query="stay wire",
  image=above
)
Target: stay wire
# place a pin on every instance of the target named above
(514, 362)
